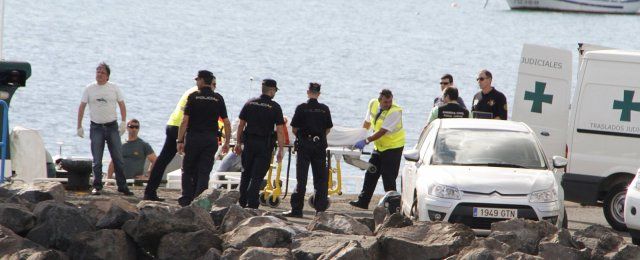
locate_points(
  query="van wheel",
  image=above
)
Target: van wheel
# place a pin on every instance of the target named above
(613, 207)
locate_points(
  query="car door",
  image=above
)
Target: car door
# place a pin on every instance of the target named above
(410, 168)
(542, 95)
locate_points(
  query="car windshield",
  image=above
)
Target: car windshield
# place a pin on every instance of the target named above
(487, 147)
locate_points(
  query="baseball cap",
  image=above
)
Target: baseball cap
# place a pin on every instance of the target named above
(206, 75)
(269, 83)
(314, 87)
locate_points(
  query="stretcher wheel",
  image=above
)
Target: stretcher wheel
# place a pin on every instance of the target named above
(262, 200)
(312, 201)
(273, 203)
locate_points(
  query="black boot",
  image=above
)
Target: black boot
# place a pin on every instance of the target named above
(359, 204)
(292, 214)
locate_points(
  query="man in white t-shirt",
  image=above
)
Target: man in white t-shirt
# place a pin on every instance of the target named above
(102, 97)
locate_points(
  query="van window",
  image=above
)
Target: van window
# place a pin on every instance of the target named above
(487, 147)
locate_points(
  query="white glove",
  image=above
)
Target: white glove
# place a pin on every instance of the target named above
(80, 132)
(122, 127)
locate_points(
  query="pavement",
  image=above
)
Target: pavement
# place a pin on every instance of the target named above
(580, 217)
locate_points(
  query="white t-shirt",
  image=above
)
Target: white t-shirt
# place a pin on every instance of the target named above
(389, 123)
(102, 100)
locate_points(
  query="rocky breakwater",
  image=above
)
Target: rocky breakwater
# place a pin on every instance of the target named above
(37, 223)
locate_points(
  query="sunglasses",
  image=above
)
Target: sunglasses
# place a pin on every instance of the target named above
(445, 83)
(480, 79)
(133, 126)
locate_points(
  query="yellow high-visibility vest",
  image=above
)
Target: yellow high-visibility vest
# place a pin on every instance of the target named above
(178, 112)
(394, 138)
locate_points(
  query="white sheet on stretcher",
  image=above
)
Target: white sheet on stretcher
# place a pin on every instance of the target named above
(345, 136)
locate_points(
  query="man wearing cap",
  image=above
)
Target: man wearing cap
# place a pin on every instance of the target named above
(170, 147)
(255, 132)
(102, 97)
(311, 123)
(488, 103)
(388, 142)
(198, 136)
(451, 108)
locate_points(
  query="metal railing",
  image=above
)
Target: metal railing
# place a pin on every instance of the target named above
(5, 129)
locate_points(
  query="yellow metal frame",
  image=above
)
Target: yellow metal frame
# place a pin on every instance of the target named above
(338, 171)
(270, 190)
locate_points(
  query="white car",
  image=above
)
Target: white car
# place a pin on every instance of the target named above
(632, 209)
(478, 171)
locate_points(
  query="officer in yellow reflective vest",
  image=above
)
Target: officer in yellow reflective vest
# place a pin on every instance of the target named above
(388, 139)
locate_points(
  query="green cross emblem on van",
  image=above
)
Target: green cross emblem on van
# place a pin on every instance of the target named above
(538, 97)
(626, 105)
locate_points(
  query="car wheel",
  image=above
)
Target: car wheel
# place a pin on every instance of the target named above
(635, 241)
(613, 207)
(565, 221)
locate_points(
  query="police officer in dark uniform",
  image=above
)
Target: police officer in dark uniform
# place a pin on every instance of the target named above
(311, 123)
(488, 103)
(255, 132)
(451, 108)
(198, 136)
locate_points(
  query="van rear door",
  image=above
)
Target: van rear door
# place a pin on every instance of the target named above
(543, 93)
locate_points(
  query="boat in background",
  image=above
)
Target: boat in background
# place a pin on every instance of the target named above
(587, 6)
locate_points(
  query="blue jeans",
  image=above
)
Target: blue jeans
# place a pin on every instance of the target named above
(99, 134)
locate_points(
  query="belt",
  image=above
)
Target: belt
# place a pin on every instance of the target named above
(105, 124)
(313, 138)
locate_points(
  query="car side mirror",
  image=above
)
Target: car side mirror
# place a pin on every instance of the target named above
(559, 162)
(412, 155)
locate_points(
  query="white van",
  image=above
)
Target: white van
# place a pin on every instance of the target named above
(602, 136)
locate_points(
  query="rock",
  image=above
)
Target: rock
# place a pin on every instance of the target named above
(549, 250)
(369, 222)
(41, 191)
(508, 238)
(56, 224)
(262, 253)
(32, 254)
(227, 198)
(485, 248)
(153, 223)
(338, 224)
(188, 245)
(379, 214)
(11, 243)
(217, 215)
(314, 245)
(396, 220)
(522, 256)
(145, 205)
(102, 244)
(625, 252)
(590, 236)
(235, 215)
(16, 217)
(262, 231)
(206, 198)
(351, 250)
(232, 254)
(426, 240)
(119, 212)
(528, 232)
(20, 201)
(601, 240)
(92, 213)
(562, 237)
(212, 254)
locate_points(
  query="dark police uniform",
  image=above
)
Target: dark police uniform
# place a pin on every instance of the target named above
(261, 115)
(493, 102)
(452, 110)
(312, 120)
(201, 142)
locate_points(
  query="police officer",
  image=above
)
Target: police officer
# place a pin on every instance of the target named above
(198, 136)
(311, 123)
(488, 103)
(451, 108)
(389, 136)
(255, 132)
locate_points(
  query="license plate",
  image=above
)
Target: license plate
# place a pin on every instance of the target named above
(494, 213)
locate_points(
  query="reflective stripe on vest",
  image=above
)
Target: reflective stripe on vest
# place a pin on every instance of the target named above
(394, 138)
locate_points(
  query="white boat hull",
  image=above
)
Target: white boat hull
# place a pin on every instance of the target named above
(589, 6)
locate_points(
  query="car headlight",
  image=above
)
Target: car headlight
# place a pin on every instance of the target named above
(445, 192)
(549, 195)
